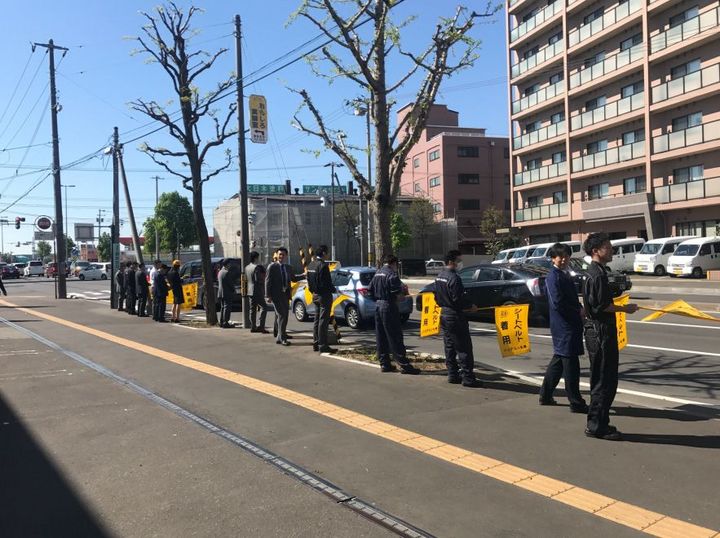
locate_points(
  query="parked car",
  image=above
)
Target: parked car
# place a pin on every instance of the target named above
(91, 272)
(34, 268)
(577, 269)
(695, 257)
(654, 256)
(20, 266)
(8, 270)
(542, 250)
(490, 285)
(51, 270)
(359, 309)
(105, 268)
(192, 272)
(78, 266)
(504, 256)
(624, 251)
(433, 267)
(521, 254)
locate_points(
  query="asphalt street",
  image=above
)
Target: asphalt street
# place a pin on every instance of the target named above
(117, 426)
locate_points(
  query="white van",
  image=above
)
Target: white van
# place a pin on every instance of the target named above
(541, 250)
(521, 254)
(653, 257)
(504, 255)
(624, 251)
(695, 257)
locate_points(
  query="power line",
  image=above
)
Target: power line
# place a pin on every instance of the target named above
(22, 100)
(17, 85)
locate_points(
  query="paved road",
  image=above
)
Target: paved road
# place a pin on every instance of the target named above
(101, 456)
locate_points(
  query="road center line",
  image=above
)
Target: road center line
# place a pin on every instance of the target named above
(629, 515)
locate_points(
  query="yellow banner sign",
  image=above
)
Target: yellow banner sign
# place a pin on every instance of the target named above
(258, 119)
(622, 336)
(513, 335)
(430, 317)
(680, 308)
(190, 293)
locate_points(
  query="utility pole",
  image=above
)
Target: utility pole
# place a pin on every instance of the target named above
(157, 233)
(59, 234)
(131, 214)
(115, 227)
(3, 222)
(244, 224)
(332, 166)
(99, 221)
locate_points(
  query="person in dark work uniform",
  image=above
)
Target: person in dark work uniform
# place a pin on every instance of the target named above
(160, 292)
(386, 289)
(320, 285)
(566, 327)
(130, 296)
(601, 338)
(141, 291)
(120, 285)
(449, 291)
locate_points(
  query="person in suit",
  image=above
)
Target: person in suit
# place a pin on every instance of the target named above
(175, 282)
(2, 287)
(277, 292)
(130, 295)
(160, 291)
(320, 284)
(226, 293)
(120, 285)
(255, 274)
(141, 290)
(566, 327)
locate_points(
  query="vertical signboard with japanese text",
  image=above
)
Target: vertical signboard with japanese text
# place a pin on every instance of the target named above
(620, 318)
(430, 318)
(512, 329)
(258, 119)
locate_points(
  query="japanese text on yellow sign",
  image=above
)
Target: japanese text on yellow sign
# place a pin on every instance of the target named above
(511, 323)
(622, 336)
(258, 119)
(190, 292)
(430, 317)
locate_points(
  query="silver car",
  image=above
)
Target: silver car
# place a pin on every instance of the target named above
(358, 308)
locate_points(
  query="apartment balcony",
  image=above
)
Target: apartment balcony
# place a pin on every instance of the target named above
(515, 5)
(620, 13)
(616, 109)
(616, 206)
(692, 136)
(541, 135)
(540, 18)
(704, 23)
(574, 5)
(542, 212)
(683, 192)
(691, 82)
(619, 154)
(612, 65)
(544, 173)
(543, 56)
(544, 96)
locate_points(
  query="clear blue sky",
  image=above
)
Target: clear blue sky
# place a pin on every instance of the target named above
(99, 77)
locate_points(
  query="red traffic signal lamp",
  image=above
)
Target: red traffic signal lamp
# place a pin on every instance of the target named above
(18, 220)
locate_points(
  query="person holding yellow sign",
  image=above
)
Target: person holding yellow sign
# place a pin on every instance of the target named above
(449, 291)
(601, 337)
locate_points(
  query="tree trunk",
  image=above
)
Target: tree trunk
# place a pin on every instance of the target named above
(382, 212)
(208, 276)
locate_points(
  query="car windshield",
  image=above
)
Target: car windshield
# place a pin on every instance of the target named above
(687, 250)
(366, 277)
(500, 256)
(520, 253)
(540, 251)
(651, 248)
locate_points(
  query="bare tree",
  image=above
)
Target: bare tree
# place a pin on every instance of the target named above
(422, 222)
(166, 42)
(363, 61)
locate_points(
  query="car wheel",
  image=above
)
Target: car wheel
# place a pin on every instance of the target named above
(300, 311)
(697, 272)
(82, 277)
(660, 270)
(352, 317)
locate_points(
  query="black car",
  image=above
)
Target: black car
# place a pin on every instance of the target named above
(499, 285)
(192, 272)
(577, 268)
(9, 271)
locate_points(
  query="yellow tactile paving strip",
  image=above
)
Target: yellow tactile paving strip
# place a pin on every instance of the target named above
(629, 515)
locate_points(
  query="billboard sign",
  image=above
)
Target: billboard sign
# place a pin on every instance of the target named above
(266, 189)
(323, 189)
(84, 232)
(258, 119)
(43, 223)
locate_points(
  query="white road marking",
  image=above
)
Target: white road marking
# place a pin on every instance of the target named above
(675, 324)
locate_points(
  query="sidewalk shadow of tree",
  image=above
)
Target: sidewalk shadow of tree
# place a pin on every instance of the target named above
(694, 441)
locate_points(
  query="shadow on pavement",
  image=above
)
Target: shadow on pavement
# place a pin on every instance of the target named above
(695, 441)
(684, 414)
(26, 305)
(35, 499)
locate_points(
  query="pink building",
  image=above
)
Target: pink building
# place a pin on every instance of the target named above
(460, 170)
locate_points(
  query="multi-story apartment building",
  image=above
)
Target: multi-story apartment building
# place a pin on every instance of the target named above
(615, 117)
(460, 171)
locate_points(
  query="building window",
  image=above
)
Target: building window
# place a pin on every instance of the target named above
(434, 181)
(468, 151)
(531, 52)
(557, 77)
(559, 157)
(592, 60)
(631, 89)
(688, 174)
(596, 147)
(533, 164)
(708, 228)
(633, 136)
(436, 208)
(633, 185)
(308, 218)
(416, 162)
(469, 179)
(434, 155)
(677, 20)
(685, 122)
(601, 190)
(468, 204)
(557, 117)
(555, 38)
(417, 187)
(630, 42)
(530, 14)
(559, 197)
(599, 12)
(680, 71)
(532, 126)
(597, 102)
(533, 201)
(531, 89)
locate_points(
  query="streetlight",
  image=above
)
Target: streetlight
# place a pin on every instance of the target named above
(67, 230)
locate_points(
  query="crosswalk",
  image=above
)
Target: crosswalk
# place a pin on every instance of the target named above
(90, 295)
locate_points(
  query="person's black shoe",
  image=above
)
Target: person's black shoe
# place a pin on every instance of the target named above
(388, 368)
(583, 409)
(328, 349)
(607, 435)
(472, 383)
(551, 401)
(288, 337)
(283, 343)
(409, 369)
(454, 379)
(316, 347)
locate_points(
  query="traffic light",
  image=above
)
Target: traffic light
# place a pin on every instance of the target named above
(18, 220)
(358, 232)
